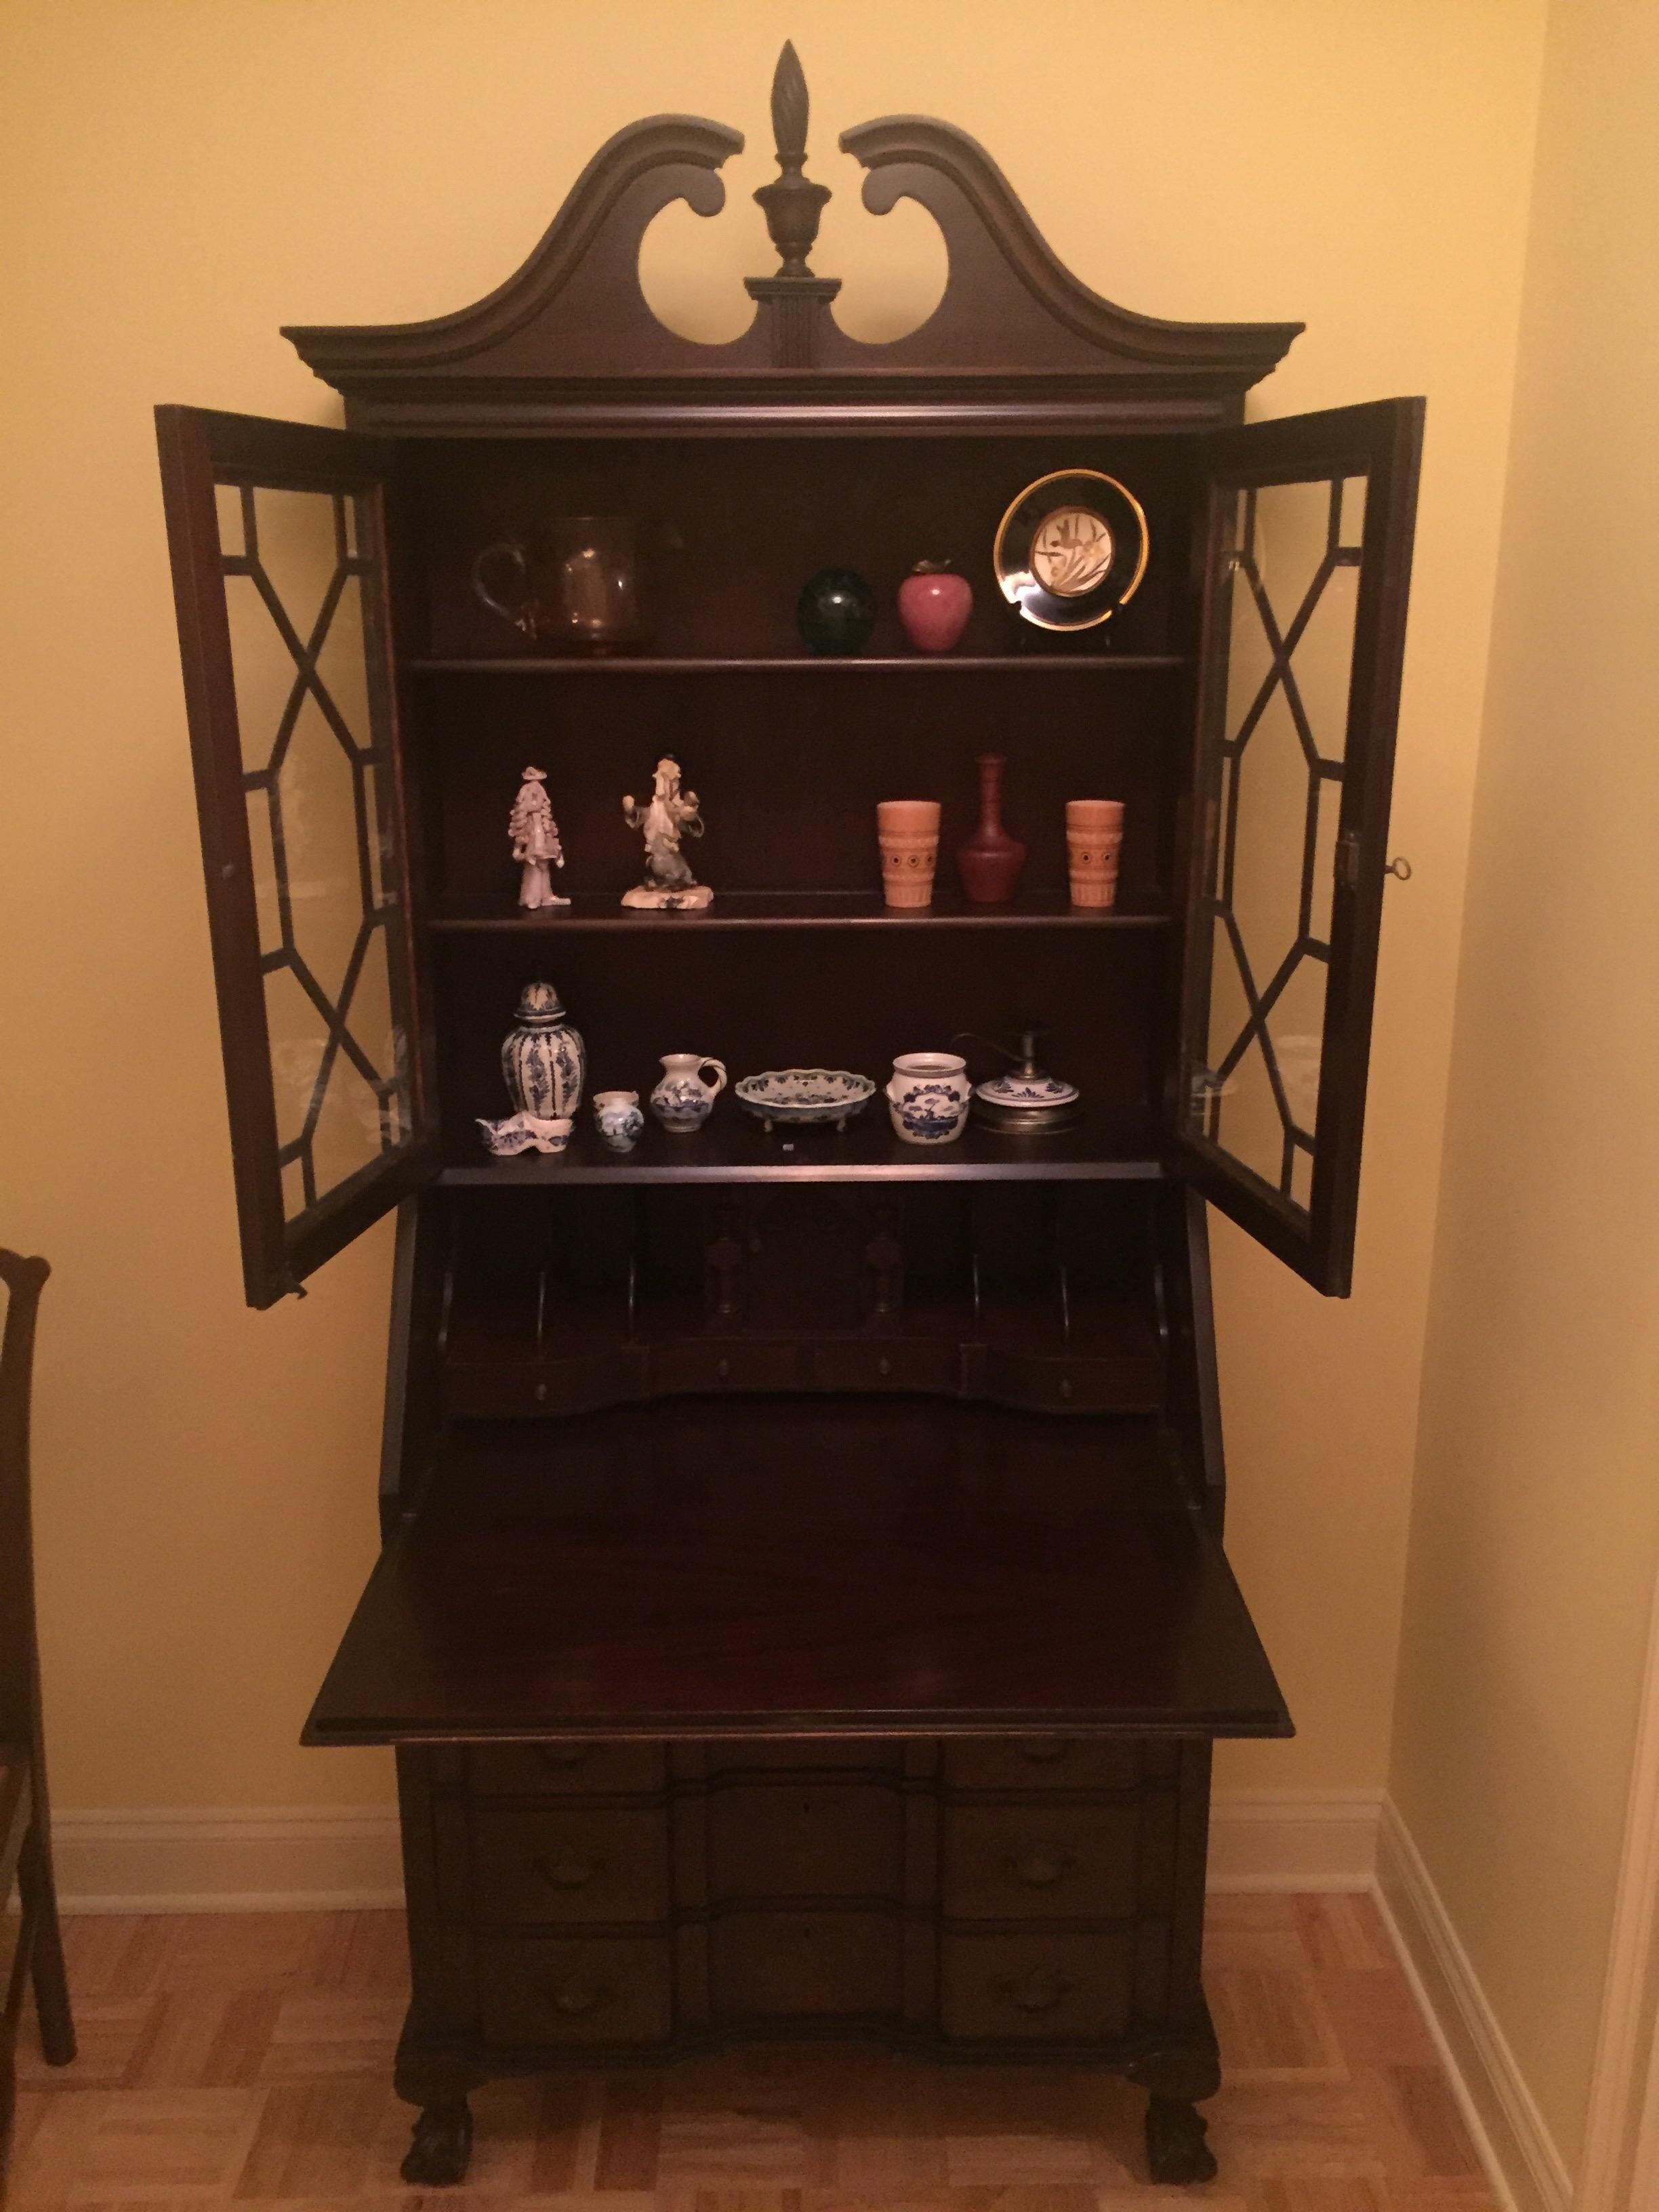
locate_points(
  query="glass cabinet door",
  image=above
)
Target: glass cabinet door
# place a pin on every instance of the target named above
(277, 533)
(1307, 565)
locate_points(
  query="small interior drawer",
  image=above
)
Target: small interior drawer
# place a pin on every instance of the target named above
(575, 1990)
(810, 1838)
(504, 1390)
(557, 1770)
(725, 1365)
(890, 1364)
(568, 1862)
(1043, 1762)
(1035, 1988)
(1039, 1862)
(1127, 1382)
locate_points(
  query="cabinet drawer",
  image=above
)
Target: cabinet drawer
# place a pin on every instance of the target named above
(1034, 1862)
(782, 1966)
(884, 1366)
(804, 1839)
(723, 1366)
(805, 1756)
(483, 1391)
(1126, 1385)
(575, 1990)
(1054, 1989)
(1041, 1762)
(569, 1863)
(558, 1770)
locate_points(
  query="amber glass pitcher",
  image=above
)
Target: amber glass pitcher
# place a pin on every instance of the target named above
(575, 584)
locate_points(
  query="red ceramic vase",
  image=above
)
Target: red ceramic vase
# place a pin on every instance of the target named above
(989, 862)
(934, 604)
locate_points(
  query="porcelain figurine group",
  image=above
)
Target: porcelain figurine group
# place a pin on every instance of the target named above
(670, 814)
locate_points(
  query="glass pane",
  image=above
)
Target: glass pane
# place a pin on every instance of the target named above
(227, 506)
(1292, 577)
(311, 744)
(261, 833)
(343, 665)
(1302, 1177)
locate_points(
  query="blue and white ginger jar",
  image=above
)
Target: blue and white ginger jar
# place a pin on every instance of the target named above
(543, 1060)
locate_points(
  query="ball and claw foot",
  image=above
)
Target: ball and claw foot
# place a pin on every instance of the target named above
(443, 2145)
(1175, 2149)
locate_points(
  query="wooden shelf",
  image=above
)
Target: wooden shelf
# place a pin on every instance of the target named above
(731, 1147)
(791, 910)
(756, 1565)
(773, 664)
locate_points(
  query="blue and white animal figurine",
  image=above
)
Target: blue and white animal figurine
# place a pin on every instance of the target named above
(543, 1060)
(621, 1122)
(683, 1101)
(524, 1133)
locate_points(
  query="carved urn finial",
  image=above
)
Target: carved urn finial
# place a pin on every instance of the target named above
(792, 203)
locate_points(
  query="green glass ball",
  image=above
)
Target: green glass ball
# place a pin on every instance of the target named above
(836, 612)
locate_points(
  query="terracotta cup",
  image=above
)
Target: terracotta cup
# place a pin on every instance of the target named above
(1094, 836)
(906, 830)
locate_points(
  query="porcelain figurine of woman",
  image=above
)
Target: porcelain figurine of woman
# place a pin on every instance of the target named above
(670, 815)
(536, 844)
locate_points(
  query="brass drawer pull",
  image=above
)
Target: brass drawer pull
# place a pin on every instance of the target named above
(1039, 1870)
(1040, 1990)
(562, 1757)
(569, 1869)
(576, 1997)
(1043, 1750)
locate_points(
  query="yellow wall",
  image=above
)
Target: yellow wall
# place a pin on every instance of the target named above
(180, 177)
(1537, 1526)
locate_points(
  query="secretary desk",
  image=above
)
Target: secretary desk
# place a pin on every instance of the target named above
(802, 1610)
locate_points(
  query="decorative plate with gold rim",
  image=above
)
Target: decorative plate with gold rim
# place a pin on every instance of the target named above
(1070, 549)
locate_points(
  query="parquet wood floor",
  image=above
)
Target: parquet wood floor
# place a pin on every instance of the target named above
(244, 2061)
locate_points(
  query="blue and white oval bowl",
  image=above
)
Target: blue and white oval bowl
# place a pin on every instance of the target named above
(795, 1098)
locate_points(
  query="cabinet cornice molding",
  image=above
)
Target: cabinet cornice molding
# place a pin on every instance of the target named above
(573, 319)
(950, 173)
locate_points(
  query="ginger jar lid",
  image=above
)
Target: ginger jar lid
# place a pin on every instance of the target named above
(540, 1007)
(1033, 1093)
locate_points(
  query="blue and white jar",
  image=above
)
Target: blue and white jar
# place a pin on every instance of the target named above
(543, 1060)
(927, 1097)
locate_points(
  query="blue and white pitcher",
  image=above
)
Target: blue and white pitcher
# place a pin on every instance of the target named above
(683, 1101)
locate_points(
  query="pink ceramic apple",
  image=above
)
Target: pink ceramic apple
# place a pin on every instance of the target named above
(934, 604)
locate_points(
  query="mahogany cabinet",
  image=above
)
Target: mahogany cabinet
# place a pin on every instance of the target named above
(803, 1609)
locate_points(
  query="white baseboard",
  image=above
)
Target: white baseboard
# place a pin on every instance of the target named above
(303, 1858)
(1515, 2145)
(329, 1858)
(1288, 1839)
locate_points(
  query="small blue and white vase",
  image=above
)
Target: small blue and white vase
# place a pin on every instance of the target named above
(621, 1122)
(544, 1060)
